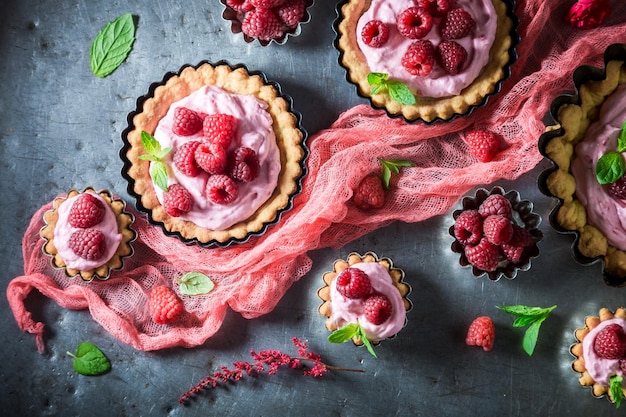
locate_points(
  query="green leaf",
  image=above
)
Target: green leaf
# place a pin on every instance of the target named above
(195, 283)
(530, 337)
(610, 167)
(150, 144)
(344, 334)
(523, 321)
(112, 45)
(616, 389)
(89, 360)
(366, 342)
(158, 173)
(531, 317)
(522, 310)
(621, 139)
(400, 92)
(377, 78)
(392, 165)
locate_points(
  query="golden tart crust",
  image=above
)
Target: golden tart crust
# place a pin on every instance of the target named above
(124, 249)
(236, 80)
(426, 108)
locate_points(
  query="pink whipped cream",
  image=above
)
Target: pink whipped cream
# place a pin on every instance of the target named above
(254, 131)
(605, 212)
(601, 369)
(346, 310)
(63, 231)
(388, 59)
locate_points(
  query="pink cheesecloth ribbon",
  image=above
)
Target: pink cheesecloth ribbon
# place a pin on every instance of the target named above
(252, 277)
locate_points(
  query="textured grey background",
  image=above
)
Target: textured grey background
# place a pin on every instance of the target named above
(60, 128)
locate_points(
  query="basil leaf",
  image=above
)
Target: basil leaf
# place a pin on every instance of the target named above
(195, 283)
(158, 173)
(89, 360)
(112, 45)
(400, 92)
(344, 334)
(610, 167)
(616, 388)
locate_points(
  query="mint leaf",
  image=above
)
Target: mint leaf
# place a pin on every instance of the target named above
(158, 170)
(616, 389)
(377, 78)
(89, 360)
(531, 317)
(112, 45)
(530, 336)
(389, 166)
(366, 342)
(150, 144)
(158, 173)
(621, 139)
(344, 334)
(195, 283)
(610, 167)
(400, 92)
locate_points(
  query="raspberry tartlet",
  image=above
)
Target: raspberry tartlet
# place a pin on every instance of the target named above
(451, 55)
(88, 234)
(366, 290)
(214, 154)
(496, 233)
(600, 352)
(591, 205)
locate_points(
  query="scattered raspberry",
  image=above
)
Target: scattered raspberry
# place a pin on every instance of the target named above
(375, 33)
(456, 24)
(496, 204)
(186, 122)
(618, 188)
(87, 211)
(468, 227)
(512, 252)
(451, 56)
(240, 5)
(436, 8)
(211, 157)
(221, 189)
(184, 159)
(262, 24)
(220, 129)
(88, 243)
(483, 144)
(177, 200)
(244, 164)
(414, 22)
(369, 194)
(377, 309)
(291, 12)
(497, 229)
(419, 58)
(521, 237)
(164, 305)
(266, 4)
(610, 342)
(482, 332)
(353, 283)
(483, 256)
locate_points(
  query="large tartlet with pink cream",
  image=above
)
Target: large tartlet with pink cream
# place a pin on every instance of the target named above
(444, 84)
(233, 154)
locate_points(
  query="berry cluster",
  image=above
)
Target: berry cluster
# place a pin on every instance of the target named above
(482, 332)
(209, 155)
(86, 212)
(610, 343)
(489, 235)
(355, 284)
(268, 19)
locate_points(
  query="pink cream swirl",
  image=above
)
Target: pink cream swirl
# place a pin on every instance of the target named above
(601, 369)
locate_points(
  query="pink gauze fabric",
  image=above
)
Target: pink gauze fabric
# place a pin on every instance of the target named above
(252, 277)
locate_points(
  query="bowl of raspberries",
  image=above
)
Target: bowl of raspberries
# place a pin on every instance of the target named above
(496, 233)
(266, 21)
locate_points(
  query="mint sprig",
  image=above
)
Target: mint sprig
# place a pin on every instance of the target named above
(532, 317)
(195, 283)
(617, 390)
(611, 166)
(349, 331)
(112, 45)
(397, 90)
(89, 360)
(389, 166)
(158, 170)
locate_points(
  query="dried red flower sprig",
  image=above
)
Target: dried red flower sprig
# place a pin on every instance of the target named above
(588, 14)
(272, 359)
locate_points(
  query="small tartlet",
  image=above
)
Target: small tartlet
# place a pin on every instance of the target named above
(124, 224)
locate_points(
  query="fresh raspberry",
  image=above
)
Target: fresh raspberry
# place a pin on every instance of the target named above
(483, 144)
(211, 157)
(240, 5)
(521, 237)
(468, 227)
(177, 200)
(266, 4)
(497, 229)
(244, 164)
(262, 24)
(164, 305)
(414, 22)
(219, 128)
(375, 33)
(622, 366)
(482, 332)
(496, 204)
(291, 12)
(512, 252)
(456, 24)
(186, 122)
(221, 189)
(610, 342)
(419, 58)
(185, 160)
(88, 243)
(377, 308)
(483, 256)
(451, 56)
(436, 8)
(87, 211)
(369, 194)
(618, 188)
(353, 283)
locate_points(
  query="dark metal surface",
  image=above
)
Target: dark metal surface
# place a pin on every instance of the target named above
(60, 129)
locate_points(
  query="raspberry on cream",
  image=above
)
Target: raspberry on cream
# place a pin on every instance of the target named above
(601, 369)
